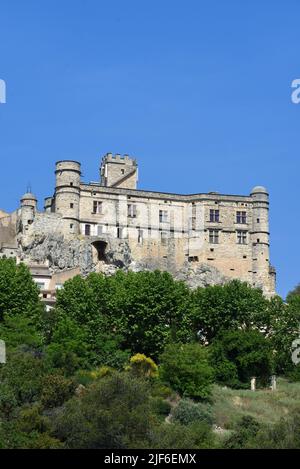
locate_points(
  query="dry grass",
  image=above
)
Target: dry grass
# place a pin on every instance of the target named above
(264, 405)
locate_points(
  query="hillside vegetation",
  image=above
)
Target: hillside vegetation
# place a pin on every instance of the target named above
(138, 360)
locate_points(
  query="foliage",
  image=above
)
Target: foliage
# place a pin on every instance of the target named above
(234, 305)
(285, 434)
(293, 293)
(115, 413)
(186, 369)
(175, 436)
(23, 373)
(188, 411)
(62, 385)
(285, 328)
(160, 406)
(239, 355)
(143, 366)
(56, 389)
(144, 309)
(68, 349)
(19, 295)
(244, 435)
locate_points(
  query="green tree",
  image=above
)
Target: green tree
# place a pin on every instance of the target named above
(234, 305)
(145, 310)
(18, 292)
(285, 328)
(293, 293)
(186, 369)
(69, 348)
(115, 412)
(245, 354)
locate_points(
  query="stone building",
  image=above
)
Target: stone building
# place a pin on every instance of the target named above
(101, 226)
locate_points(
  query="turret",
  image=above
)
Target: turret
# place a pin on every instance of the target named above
(28, 209)
(119, 171)
(260, 238)
(67, 194)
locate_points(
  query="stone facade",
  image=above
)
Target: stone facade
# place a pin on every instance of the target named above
(101, 226)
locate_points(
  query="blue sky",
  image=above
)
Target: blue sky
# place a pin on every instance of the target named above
(198, 91)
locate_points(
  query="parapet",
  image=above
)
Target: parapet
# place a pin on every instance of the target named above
(117, 158)
(68, 165)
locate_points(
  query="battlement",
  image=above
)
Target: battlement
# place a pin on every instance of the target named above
(119, 171)
(117, 158)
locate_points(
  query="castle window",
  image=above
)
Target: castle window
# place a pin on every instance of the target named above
(99, 230)
(214, 236)
(163, 216)
(214, 216)
(140, 236)
(193, 259)
(71, 205)
(131, 211)
(97, 207)
(242, 237)
(163, 237)
(87, 230)
(241, 217)
(71, 184)
(258, 220)
(119, 232)
(123, 171)
(193, 223)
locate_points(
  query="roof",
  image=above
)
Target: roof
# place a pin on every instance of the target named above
(29, 196)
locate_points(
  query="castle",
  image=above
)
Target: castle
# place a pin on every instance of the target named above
(101, 226)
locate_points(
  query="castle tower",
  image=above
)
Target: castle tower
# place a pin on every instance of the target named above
(262, 273)
(28, 209)
(67, 194)
(119, 171)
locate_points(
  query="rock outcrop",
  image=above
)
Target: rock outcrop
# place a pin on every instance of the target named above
(107, 256)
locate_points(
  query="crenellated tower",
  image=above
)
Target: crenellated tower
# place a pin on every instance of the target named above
(119, 171)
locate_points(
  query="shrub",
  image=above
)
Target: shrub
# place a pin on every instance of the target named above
(56, 390)
(188, 412)
(186, 369)
(245, 432)
(143, 366)
(161, 406)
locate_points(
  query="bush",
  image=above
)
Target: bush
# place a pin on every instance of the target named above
(161, 407)
(143, 366)
(239, 355)
(175, 436)
(114, 412)
(186, 369)
(245, 433)
(56, 390)
(188, 412)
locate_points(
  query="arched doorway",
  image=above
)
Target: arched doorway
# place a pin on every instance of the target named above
(100, 248)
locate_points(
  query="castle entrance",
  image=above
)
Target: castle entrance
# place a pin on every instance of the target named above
(99, 250)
